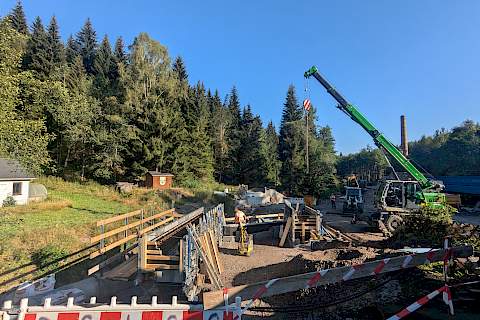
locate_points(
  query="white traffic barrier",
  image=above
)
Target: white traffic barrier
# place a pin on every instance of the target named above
(115, 311)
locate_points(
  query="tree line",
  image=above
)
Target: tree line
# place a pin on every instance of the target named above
(445, 153)
(84, 109)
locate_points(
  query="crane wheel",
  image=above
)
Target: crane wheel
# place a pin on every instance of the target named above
(393, 222)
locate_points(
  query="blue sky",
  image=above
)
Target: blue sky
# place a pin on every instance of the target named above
(418, 58)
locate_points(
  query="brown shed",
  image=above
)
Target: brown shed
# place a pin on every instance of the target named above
(158, 180)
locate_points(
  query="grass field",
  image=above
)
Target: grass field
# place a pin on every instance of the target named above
(64, 222)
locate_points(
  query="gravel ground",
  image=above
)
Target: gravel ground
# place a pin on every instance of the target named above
(271, 261)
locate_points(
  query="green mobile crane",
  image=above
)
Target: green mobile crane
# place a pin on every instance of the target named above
(394, 198)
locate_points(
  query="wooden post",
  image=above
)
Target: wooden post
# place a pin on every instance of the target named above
(303, 232)
(288, 225)
(318, 278)
(142, 253)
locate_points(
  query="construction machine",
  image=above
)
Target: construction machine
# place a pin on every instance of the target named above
(395, 198)
(245, 245)
(353, 200)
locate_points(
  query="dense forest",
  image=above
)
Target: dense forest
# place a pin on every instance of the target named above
(87, 109)
(450, 152)
(445, 153)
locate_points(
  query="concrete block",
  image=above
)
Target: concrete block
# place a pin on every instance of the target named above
(170, 276)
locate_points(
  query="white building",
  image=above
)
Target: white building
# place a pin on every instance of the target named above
(14, 181)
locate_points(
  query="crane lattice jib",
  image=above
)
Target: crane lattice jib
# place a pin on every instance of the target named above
(380, 140)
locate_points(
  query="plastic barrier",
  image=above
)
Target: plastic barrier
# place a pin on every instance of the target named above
(114, 311)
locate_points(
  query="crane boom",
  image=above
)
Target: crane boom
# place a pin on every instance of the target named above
(380, 140)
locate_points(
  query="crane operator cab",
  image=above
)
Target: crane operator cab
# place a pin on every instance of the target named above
(397, 198)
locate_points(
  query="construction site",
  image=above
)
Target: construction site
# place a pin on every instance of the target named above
(133, 189)
(273, 256)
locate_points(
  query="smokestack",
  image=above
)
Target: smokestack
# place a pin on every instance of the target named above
(403, 133)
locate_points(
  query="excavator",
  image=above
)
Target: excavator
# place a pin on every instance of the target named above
(394, 198)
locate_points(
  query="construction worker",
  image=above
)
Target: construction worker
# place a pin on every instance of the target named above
(240, 216)
(333, 201)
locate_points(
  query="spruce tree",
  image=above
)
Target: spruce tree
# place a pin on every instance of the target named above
(271, 160)
(250, 164)
(56, 51)
(104, 68)
(290, 143)
(233, 138)
(72, 50)
(119, 51)
(219, 124)
(37, 55)
(87, 43)
(180, 70)
(18, 20)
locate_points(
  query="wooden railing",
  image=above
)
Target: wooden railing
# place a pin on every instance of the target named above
(119, 230)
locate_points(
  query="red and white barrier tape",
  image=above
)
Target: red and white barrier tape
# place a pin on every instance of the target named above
(422, 301)
(258, 294)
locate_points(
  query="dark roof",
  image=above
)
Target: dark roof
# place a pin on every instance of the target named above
(11, 169)
(156, 173)
(461, 184)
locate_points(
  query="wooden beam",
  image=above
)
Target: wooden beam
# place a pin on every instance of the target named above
(118, 218)
(129, 226)
(313, 279)
(162, 258)
(112, 245)
(156, 225)
(285, 232)
(152, 267)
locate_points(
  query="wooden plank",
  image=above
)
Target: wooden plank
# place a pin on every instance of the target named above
(114, 231)
(154, 252)
(118, 218)
(152, 267)
(216, 254)
(162, 258)
(166, 231)
(206, 249)
(216, 281)
(285, 232)
(123, 271)
(154, 226)
(116, 257)
(128, 226)
(301, 281)
(112, 245)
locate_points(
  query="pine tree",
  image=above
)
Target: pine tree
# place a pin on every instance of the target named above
(56, 51)
(290, 143)
(37, 55)
(72, 50)
(18, 20)
(87, 43)
(180, 70)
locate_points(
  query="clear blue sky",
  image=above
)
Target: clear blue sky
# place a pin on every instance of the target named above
(419, 58)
